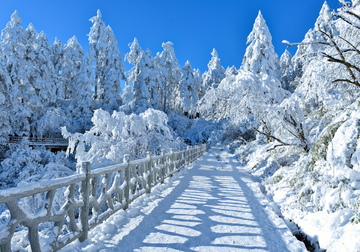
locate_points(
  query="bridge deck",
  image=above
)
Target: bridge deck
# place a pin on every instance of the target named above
(211, 205)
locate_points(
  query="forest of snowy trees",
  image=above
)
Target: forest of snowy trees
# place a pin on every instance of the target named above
(293, 120)
(47, 86)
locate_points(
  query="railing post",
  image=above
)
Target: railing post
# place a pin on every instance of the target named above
(171, 160)
(163, 165)
(127, 180)
(191, 154)
(149, 172)
(187, 155)
(84, 195)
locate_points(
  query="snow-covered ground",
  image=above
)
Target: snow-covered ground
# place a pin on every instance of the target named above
(211, 205)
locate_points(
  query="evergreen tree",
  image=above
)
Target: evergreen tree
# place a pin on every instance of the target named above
(214, 75)
(48, 89)
(5, 103)
(13, 48)
(83, 92)
(134, 57)
(170, 75)
(58, 61)
(260, 56)
(186, 97)
(286, 68)
(73, 65)
(152, 78)
(309, 49)
(198, 81)
(105, 56)
(144, 76)
(231, 71)
(182, 99)
(113, 70)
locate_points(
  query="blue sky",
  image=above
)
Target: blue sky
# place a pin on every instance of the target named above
(195, 26)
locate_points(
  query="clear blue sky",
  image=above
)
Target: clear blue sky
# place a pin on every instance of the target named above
(194, 26)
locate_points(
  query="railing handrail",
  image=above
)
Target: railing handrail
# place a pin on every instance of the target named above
(138, 177)
(39, 140)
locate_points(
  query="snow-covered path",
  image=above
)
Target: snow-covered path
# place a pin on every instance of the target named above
(210, 205)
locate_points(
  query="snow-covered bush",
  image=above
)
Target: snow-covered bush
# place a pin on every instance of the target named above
(24, 165)
(196, 130)
(113, 136)
(238, 98)
(319, 190)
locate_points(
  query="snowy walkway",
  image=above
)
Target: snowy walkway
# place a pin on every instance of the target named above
(209, 206)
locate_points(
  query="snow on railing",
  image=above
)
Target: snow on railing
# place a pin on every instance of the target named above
(86, 195)
(39, 140)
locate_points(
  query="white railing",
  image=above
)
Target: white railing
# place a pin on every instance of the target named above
(86, 193)
(39, 140)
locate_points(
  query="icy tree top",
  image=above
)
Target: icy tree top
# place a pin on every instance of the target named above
(260, 56)
(324, 17)
(285, 59)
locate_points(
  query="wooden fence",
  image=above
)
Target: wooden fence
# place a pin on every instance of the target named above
(91, 197)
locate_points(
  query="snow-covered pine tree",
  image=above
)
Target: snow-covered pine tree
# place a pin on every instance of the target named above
(5, 103)
(104, 55)
(198, 81)
(170, 75)
(143, 76)
(231, 71)
(260, 55)
(152, 78)
(182, 99)
(83, 92)
(140, 89)
(214, 75)
(309, 49)
(46, 86)
(57, 59)
(13, 48)
(28, 91)
(245, 97)
(73, 65)
(113, 69)
(286, 68)
(186, 96)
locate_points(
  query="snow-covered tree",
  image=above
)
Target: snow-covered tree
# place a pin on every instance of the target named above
(214, 75)
(73, 64)
(136, 75)
(104, 55)
(113, 70)
(186, 96)
(198, 82)
(5, 103)
(231, 71)
(245, 97)
(182, 99)
(152, 78)
(83, 92)
(57, 59)
(13, 49)
(309, 48)
(170, 75)
(113, 136)
(144, 92)
(242, 97)
(286, 68)
(46, 86)
(260, 55)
